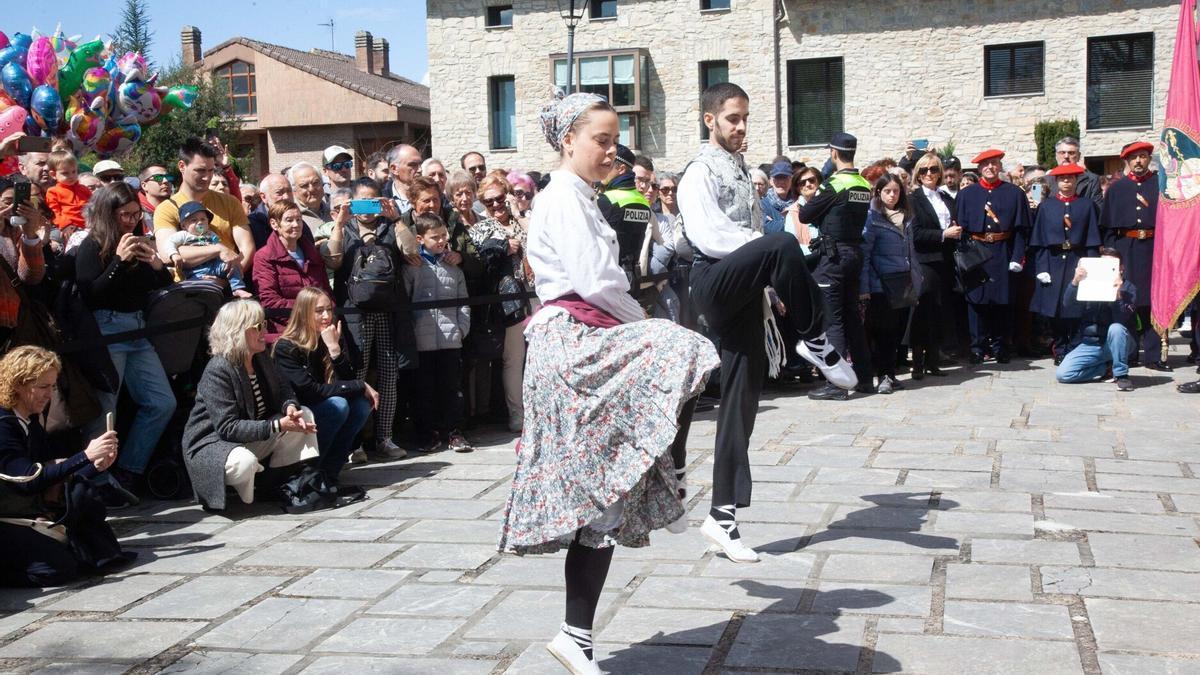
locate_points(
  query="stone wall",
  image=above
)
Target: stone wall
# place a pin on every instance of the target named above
(913, 70)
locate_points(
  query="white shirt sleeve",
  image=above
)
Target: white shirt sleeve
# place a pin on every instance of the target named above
(706, 225)
(572, 249)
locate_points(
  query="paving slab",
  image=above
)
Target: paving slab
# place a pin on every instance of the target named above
(15, 622)
(205, 597)
(1007, 619)
(448, 509)
(1141, 626)
(1168, 524)
(947, 655)
(1025, 551)
(100, 639)
(1121, 502)
(280, 624)
(347, 529)
(343, 583)
(744, 594)
(988, 582)
(312, 554)
(435, 600)
(222, 663)
(1127, 664)
(1145, 551)
(113, 593)
(1103, 582)
(901, 569)
(665, 626)
(856, 597)
(254, 533)
(444, 556)
(814, 641)
(527, 615)
(340, 665)
(390, 636)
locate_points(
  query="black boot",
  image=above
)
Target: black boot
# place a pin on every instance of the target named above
(918, 363)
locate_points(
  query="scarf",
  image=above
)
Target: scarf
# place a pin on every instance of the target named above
(895, 217)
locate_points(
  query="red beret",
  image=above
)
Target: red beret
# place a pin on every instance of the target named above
(986, 155)
(1140, 146)
(1066, 170)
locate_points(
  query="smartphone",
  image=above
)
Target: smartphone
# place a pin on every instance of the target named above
(921, 144)
(33, 144)
(1036, 193)
(110, 422)
(364, 207)
(20, 193)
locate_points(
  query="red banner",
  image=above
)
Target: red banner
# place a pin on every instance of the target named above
(1176, 273)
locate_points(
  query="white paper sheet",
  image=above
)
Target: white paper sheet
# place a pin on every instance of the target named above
(1100, 283)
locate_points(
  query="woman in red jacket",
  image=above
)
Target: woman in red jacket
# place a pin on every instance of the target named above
(287, 263)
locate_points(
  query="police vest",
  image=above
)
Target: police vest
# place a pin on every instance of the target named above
(845, 220)
(630, 216)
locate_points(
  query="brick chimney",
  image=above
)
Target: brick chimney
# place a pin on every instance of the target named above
(364, 51)
(382, 60)
(189, 37)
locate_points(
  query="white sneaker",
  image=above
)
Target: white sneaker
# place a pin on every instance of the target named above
(734, 549)
(680, 524)
(568, 653)
(820, 353)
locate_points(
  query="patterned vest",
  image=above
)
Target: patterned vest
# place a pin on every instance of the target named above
(735, 195)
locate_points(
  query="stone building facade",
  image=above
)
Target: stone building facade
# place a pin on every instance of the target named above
(909, 71)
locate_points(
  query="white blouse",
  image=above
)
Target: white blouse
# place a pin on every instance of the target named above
(572, 249)
(939, 206)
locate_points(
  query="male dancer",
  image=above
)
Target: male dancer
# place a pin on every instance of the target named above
(995, 215)
(1127, 218)
(734, 264)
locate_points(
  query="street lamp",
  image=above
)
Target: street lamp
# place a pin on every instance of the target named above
(571, 12)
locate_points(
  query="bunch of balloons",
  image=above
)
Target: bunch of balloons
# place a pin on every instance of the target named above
(56, 87)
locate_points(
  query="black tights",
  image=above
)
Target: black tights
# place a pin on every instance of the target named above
(586, 569)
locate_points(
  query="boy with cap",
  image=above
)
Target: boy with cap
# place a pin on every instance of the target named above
(194, 222)
(1127, 219)
(1065, 230)
(994, 215)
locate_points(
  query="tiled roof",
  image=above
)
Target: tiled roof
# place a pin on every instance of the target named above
(340, 69)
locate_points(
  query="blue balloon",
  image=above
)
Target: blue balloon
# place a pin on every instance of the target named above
(21, 41)
(46, 108)
(9, 54)
(31, 127)
(16, 82)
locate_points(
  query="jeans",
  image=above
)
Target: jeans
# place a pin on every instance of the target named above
(1087, 362)
(218, 268)
(139, 369)
(338, 422)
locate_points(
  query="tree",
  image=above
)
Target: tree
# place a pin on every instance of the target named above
(212, 113)
(133, 34)
(1046, 134)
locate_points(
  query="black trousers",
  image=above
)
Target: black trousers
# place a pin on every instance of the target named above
(925, 329)
(838, 278)
(1150, 339)
(438, 404)
(991, 328)
(729, 293)
(887, 332)
(32, 559)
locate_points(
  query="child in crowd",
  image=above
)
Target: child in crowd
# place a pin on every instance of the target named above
(440, 332)
(194, 221)
(68, 197)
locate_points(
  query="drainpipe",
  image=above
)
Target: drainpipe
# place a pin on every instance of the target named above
(780, 17)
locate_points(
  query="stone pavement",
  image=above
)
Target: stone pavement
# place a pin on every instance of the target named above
(990, 522)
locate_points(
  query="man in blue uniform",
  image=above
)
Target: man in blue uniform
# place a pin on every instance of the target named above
(1064, 230)
(995, 215)
(1127, 223)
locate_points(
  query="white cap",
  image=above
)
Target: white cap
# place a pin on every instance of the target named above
(106, 165)
(331, 153)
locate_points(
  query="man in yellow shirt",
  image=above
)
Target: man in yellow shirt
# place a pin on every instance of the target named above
(197, 161)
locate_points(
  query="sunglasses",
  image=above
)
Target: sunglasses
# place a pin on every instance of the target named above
(338, 166)
(477, 169)
(808, 181)
(110, 177)
(493, 201)
(160, 178)
(260, 326)
(666, 190)
(521, 194)
(930, 170)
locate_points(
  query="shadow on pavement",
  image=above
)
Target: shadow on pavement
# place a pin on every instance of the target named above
(782, 635)
(896, 516)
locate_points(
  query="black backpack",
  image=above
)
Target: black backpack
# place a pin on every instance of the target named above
(375, 284)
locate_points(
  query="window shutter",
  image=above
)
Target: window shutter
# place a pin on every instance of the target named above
(1014, 69)
(1120, 81)
(815, 100)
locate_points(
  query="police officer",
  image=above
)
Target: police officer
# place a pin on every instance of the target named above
(995, 215)
(1127, 220)
(839, 212)
(627, 211)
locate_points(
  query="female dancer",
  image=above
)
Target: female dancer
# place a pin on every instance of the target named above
(607, 392)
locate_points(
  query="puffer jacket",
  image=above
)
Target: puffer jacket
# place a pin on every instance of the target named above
(886, 250)
(442, 327)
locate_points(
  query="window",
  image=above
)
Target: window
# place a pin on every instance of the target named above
(603, 9)
(628, 135)
(1014, 69)
(620, 76)
(243, 94)
(502, 106)
(711, 72)
(714, 4)
(815, 100)
(1120, 81)
(499, 16)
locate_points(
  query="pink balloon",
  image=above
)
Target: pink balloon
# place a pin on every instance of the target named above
(12, 120)
(42, 63)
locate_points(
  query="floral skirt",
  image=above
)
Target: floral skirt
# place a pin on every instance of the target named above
(601, 413)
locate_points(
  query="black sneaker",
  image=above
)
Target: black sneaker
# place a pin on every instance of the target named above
(1160, 366)
(459, 444)
(1124, 383)
(829, 393)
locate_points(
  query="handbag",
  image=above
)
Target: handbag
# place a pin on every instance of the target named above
(899, 289)
(515, 311)
(970, 256)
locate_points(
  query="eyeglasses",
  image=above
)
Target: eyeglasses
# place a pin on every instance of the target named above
(160, 178)
(666, 190)
(338, 166)
(521, 194)
(654, 186)
(928, 169)
(493, 201)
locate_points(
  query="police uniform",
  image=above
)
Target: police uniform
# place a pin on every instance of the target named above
(995, 216)
(628, 213)
(1127, 221)
(1064, 230)
(839, 212)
